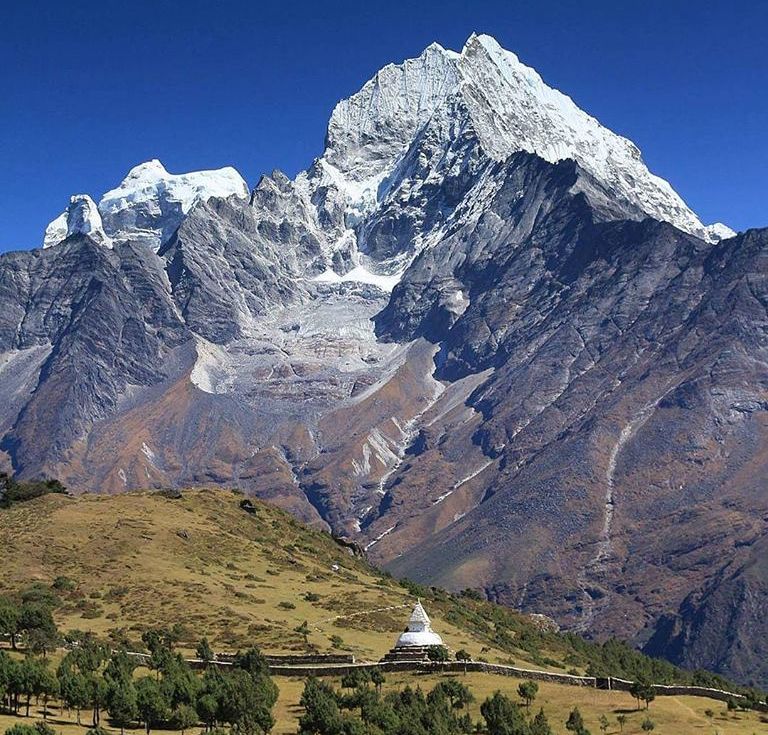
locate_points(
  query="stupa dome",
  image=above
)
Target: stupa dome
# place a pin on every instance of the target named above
(419, 632)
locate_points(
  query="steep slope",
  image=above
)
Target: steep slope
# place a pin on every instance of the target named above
(624, 431)
(734, 602)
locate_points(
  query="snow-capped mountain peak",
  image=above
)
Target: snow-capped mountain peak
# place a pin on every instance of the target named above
(718, 231)
(151, 180)
(509, 107)
(149, 170)
(150, 202)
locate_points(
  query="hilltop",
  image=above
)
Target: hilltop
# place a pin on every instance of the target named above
(198, 561)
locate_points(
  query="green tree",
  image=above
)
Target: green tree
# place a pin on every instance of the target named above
(250, 694)
(647, 725)
(9, 620)
(604, 724)
(33, 679)
(248, 702)
(575, 723)
(622, 720)
(253, 661)
(643, 691)
(503, 716)
(73, 690)
(204, 651)
(355, 679)
(211, 697)
(98, 692)
(207, 707)
(183, 717)
(178, 682)
(159, 643)
(21, 729)
(528, 691)
(540, 724)
(122, 702)
(81, 682)
(378, 679)
(457, 693)
(321, 709)
(36, 622)
(6, 664)
(47, 687)
(752, 699)
(437, 654)
(152, 705)
(120, 666)
(380, 714)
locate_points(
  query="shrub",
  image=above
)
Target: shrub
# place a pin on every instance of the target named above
(63, 584)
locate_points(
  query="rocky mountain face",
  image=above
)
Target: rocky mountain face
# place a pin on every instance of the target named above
(477, 336)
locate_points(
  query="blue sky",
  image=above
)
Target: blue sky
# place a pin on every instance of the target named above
(90, 89)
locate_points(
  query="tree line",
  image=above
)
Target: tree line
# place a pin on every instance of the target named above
(95, 680)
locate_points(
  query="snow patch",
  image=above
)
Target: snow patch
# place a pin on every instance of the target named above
(718, 231)
(463, 481)
(360, 274)
(379, 537)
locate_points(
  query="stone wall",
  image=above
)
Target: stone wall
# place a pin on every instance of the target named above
(678, 690)
(441, 667)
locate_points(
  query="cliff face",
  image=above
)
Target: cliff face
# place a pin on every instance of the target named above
(477, 336)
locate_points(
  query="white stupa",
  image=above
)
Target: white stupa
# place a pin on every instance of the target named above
(419, 633)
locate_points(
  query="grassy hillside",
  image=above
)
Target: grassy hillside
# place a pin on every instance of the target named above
(122, 564)
(125, 563)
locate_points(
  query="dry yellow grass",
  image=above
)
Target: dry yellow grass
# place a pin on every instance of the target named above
(142, 560)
